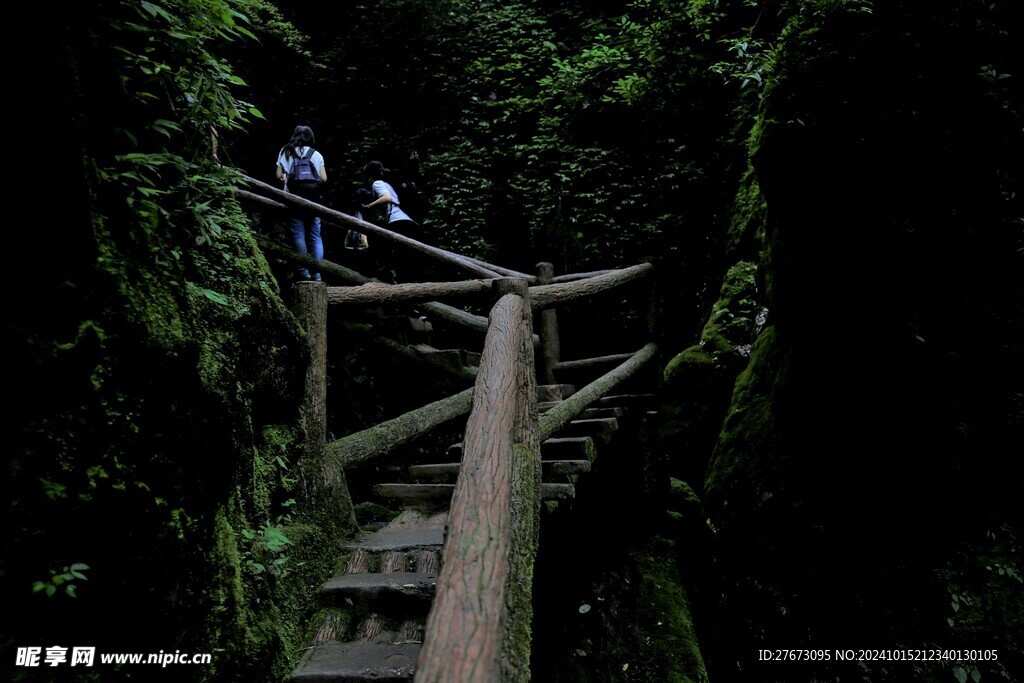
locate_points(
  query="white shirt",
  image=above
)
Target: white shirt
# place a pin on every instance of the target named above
(285, 162)
(395, 212)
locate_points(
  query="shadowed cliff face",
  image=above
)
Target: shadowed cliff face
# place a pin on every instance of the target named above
(863, 471)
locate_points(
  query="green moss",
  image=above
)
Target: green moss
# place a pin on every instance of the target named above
(368, 512)
(750, 425)
(746, 228)
(682, 495)
(665, 624)
(526, 478)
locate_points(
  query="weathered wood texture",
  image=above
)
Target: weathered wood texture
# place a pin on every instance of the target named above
(507, 272)
(332, 217)
(466, 631)
(374, 293)
(557, 294)
(324, 489)
(592, 362)
(387, 436)
(573, 277)
(564, 412)
(550, 344)
(265, 202)
(527, 492)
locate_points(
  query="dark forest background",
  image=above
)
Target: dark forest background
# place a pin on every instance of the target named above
(830, 191)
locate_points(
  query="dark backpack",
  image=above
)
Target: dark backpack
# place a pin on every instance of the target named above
(304, 179)
(412, 200)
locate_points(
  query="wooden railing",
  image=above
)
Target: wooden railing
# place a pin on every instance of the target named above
(479, 626)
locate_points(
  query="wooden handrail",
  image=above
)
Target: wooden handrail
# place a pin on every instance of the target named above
(478, 626)
(374, 293)
(457, 316)
(387, 436)
(567, 410)
(330, 267)
(340, 219)
(590, 362)
(508, 272)
(573, 277)
(553, 295)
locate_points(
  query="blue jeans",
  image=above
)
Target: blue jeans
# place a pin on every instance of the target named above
(299, 227)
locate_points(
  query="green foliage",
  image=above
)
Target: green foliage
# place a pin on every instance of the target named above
(268, 551)
(178, 96)
(65, 578)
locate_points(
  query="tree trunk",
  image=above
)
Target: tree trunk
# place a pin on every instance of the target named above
(549, 341)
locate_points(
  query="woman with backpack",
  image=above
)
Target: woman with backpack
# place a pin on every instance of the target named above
(301, 168)
(398, 220)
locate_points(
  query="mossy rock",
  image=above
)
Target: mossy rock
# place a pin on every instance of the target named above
(369, 512)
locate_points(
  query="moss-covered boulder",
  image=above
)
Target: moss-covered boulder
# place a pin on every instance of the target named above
(697, 382)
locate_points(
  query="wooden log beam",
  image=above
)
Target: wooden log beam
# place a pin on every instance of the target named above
(557, 294)
(387, 436)
(324, 488)
(572, 277)
(339, 271)
(549, 340)
(508, 272)
(591, 362)
(466, 630)
(265, 202)
(527, 492)
(570, 408)
(445, 312)
(380, 293)
(351, 222)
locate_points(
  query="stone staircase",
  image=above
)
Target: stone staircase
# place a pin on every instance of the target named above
(382, 598)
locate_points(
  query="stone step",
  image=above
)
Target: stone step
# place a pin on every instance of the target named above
(443, 472)
(569, 448)
(384, 592)
(428, 494)
(600, 429)
(420, 496)
(599, 413)
(336, 662)
(588, 414)
(410, 530)
(565, 467)
(554, 392)
(618, 401)
(625, 401)
(455, 358)
(558, 491)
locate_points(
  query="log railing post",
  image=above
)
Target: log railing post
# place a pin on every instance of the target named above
(549, 343)
(325, 491)
(479, 625)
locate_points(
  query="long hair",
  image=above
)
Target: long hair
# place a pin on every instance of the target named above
(302, 136)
